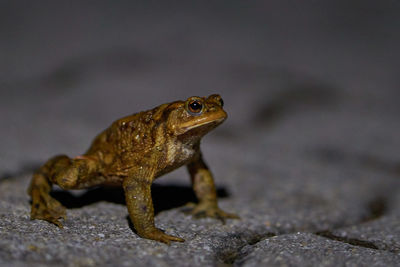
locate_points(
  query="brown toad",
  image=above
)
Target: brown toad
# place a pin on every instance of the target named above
(132, 153)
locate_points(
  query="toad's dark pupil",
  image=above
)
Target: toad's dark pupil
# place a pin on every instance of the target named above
(195, 106)
(221, 102)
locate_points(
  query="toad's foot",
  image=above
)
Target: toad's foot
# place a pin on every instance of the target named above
(212, 210)
(158, 235)
(47, 208)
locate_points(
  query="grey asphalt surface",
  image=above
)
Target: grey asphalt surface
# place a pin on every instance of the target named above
(308, 156)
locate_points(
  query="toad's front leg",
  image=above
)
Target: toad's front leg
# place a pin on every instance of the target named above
(141, 210)
(204, 188)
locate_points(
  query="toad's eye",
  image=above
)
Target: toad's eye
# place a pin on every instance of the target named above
(195, 107)
(221, 102)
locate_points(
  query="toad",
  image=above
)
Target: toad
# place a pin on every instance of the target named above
(132, 153)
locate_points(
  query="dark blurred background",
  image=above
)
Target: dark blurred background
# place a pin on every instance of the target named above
(68, 69)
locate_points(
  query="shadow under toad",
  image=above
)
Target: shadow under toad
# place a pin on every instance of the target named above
(165, 197)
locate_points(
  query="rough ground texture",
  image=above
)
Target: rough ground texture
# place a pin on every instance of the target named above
(309, 157)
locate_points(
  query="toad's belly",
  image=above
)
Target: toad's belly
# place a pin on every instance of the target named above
(170, 168)
(113, 181)
(176, 157)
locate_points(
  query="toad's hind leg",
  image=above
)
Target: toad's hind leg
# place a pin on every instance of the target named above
(44, 207)
(65, 172)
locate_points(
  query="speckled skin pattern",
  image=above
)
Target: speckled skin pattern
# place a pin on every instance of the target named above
(132, 153)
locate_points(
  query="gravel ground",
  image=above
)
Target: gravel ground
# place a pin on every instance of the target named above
(308, 157)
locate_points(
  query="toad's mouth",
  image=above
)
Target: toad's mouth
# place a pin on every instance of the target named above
(205, 124)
